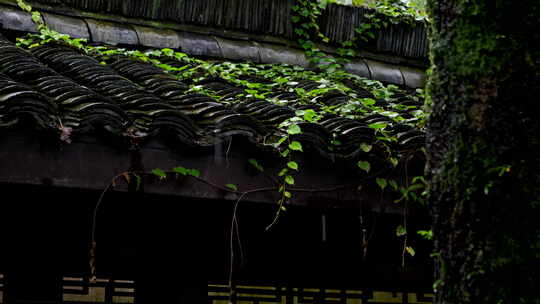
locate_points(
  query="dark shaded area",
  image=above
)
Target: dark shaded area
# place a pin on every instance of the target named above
(172, 246)
(483, 143)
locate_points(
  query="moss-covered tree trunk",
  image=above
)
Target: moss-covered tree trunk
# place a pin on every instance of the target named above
(484, 150)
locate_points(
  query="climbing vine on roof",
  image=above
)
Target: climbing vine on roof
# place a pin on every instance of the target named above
(304, 93)
(377, 129)
(400, 9)
(306, 17)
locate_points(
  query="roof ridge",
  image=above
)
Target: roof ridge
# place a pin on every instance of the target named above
(212, 44)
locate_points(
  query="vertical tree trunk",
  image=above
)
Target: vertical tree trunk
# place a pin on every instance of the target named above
(484, 150)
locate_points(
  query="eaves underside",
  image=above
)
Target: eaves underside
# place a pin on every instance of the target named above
(92, 163)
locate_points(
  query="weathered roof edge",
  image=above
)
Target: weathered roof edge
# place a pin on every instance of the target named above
(339, 23)
(194, 41)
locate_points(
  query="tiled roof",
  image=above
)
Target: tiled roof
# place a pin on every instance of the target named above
(272, 17)
(386, 62)
(59, 90)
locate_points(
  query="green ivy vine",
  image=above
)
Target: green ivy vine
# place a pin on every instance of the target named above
(305, 17)
(330, 78)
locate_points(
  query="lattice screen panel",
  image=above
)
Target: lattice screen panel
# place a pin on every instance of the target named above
(77, 290)
(242, 294)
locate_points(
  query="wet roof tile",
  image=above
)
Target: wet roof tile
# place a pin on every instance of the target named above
(55, 88)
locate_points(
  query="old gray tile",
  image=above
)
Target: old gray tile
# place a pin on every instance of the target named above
(385, 72)
(271, 53)
(14, 19)
(159, 38)
(358, 67)
(73, 27)
(112, 33)
(199, 45)
(414, 78)
(239, 50)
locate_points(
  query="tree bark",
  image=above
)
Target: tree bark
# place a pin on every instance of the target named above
(484, 150)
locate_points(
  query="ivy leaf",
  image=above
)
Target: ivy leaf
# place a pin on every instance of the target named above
(280, 141)
(287, 194)
(381, 182)
(347, 43)
(156, 53)
(293, 165)
(180, 170)
(232, 186)
(36, 17)
(393, 161)
(294, 129)
(139, 181)
(194, 172)
(389, 114)
(400, 231)
(281, 80)
(365, 147)
(378, 125)
(410, 250)
(167, 52)
(300, 91)
(393, 184)
(283, 172)
(427, 234)
(415, 187)
(367, 101)
(255, 164)
(364, 165)
(24, 6)
(310, 115)
(289, 180)
(159, 173)
(419, 178)
(295, 146)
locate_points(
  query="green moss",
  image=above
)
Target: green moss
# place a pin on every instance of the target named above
(475, 51)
